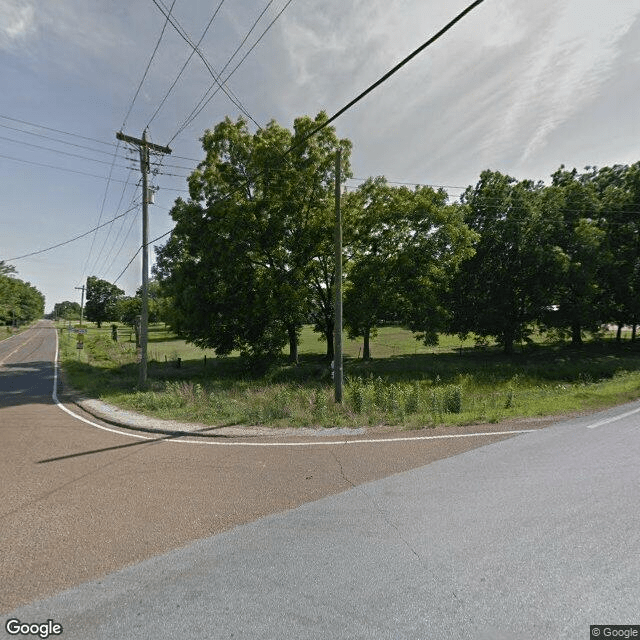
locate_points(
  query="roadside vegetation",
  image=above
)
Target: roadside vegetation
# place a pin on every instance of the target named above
(527, 272)
(405, 383)
(21, 304)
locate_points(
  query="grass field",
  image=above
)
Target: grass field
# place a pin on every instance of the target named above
(405, 384)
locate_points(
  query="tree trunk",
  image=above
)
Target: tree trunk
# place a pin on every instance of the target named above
(508, 340)
(619, 333)
(366, 353)
(576, 334)
(633, 332)
(293, 344)
(329, 337)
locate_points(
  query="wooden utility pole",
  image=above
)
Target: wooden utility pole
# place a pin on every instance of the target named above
(81, 304)
(144, 146)
(337, 324)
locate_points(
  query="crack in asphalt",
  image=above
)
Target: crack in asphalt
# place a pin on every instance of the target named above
(381, 512)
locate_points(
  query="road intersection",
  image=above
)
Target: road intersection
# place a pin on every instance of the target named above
(119, 533)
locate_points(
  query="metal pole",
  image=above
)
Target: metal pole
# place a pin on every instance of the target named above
(337, 326)
(144, 316)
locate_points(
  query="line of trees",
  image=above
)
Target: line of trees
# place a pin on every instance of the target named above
(105, 302)
(66, 310)
(108, 303)
(563, 257)
(251, 259)
(20, 302)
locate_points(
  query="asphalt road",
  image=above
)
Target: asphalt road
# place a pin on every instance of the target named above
(534, 536)
(78, 502)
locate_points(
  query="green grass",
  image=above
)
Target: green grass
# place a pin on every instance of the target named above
(406, 384)
(7, 331)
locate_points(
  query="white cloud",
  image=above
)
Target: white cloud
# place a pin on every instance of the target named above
(565, 69)
(17, 22)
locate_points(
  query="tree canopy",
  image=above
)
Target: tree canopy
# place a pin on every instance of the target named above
(20, 302)
(404, 248)
(251, 257)
(67, 310)
(102, 298)
(247, 263)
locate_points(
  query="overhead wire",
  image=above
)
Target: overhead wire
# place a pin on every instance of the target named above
(61, 244)
(140, 84)
(234, 99)
(104, 201)
(146, 71)
(53, 166)
(373, 86)
(66, 142)
(106, 238)
(390, 73)
(66, 133)
(204, 101)
(65, 153)
(188, 60)
(128, 265)
(124, 241)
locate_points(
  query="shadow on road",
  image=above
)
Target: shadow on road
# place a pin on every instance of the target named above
(26, 383)
(150, 441)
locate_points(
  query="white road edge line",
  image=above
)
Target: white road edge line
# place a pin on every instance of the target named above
(265, 444)
(601, 423)
(54, 395)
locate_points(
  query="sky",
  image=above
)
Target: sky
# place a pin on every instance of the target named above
(517, 87)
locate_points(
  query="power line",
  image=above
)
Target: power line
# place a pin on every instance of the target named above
(104, 200)
(389, 73)
(128, 265)
(42, 135)
(124, 241)
(106, 238)
(186, 38)
(137, 252)
(412, 184)
(204, 101)
(184, 66)
(65, 153)
(146, 71)
(66, 133)
(52, 166)
(61, 244)
(376, 84)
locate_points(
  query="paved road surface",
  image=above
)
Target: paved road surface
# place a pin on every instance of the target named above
(78, 502)
(529, 538)
(535, 536)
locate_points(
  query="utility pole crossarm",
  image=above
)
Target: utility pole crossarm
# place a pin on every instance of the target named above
(140, 142)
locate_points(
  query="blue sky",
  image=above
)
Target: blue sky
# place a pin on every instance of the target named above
(516, 87)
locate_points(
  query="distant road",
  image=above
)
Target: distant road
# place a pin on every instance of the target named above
(78, 502)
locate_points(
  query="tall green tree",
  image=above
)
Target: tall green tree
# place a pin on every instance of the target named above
(405, 247)
(574, 201)
(102, 298)
(241, 260)
(20, 302)
(67, 310)
(509, 284)
(619, 188)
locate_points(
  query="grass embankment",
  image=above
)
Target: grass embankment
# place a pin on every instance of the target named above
(8, 330)
(407, 384)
